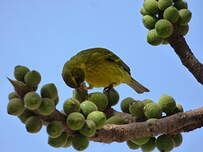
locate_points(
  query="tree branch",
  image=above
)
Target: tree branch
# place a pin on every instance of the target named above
(180, 46)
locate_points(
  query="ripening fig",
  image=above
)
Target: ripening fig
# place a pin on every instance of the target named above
(149, 21)
(153, 110)
(140, 141)
(13, 95)
(151, 6)
(177, 139)
(15, 107)
(32, 100)
(132, 145)
(164, 143)
(163, 4)
(116, 120)
(150, 145)
(153, 38)
(185, 16)
(75, 121)
(80, 142)
(171, 14)
(125, 104)
(32, 78)
(181, 4)
(71, 105)
(100, 99)
(88, 107)
(33, 124)
(137, 109)
(98, 117)
(55, 129)
(20, 72)
(164, 28)
(47, 106)
(183, 29)
(89, 128)
(50, 91)
(59, 141)
(113, 97)
(167, 103)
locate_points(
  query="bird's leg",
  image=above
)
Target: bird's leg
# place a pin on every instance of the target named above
(107, 89)
(84, 87)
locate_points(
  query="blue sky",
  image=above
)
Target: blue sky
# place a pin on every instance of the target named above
(44, 34)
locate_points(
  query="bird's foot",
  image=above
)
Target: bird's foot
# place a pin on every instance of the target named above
(107, 89)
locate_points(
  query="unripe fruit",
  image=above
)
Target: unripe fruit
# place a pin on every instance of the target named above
(32, 100)
(20, 72)
(140, 141)
(75, 121)
(171, 14)
(98, 117)
(25, 115)
(153, 110)
(99, 99)
(80, 142)
(125, 104)
(164, 143)
(80, 94)
(163, 4)
(183, 29)
(150, 145)
(47, 106)
(59, 141)
(151, 6)
(149, 21)
(55, 129)
(15, 107)
(33, 124)
(116, 120)
(88, 107)
(147, 101)
(32, 78)
(165, 42)
(181, 4)
(68, 142)
(164, 28)
(89, 129)
(153, 38)
(137, 109)
(13, 95)
(167, 103)
(179, 108)
(185, 16)
(132, 145)
(71, 105)
(113, 97)
(50, 91)
(143, 12)
(178, 139)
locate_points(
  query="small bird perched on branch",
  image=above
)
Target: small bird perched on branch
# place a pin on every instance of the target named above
(100, 68)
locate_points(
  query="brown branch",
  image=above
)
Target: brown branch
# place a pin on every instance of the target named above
(180, 46)
(181, 122)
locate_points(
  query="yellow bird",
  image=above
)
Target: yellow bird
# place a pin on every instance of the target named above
(100, 68)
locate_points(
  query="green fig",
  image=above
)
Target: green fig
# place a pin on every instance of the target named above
(15, 107)
(171, 14)
(140, 141)
(167, 103)
(89, 128)
(153, 110)
(149, 21)
(25, 115)
(181, 4)
(55, 129)
(164, 28)
(150, 145)
(33, 124)
(164, 143)
(146, 101)
(71, 105)
(151, 6)
(143, 12)
(59, 141)
(80, 142)
(116, 120)
(164, 4)
(99, 99)
(32, 78)
(75, 121)
(98, 117)
(185, 16)
(113, 97)
(153, 38)
(183, 29)
(32, 100)
(137, 109)
(125, 104)
(20, 72)
(68, 142)
(178, 139)
(132, 145)
(13, 95)
(47, 107)
(88, 107)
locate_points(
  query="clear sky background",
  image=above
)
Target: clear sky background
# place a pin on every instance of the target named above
(44, 34)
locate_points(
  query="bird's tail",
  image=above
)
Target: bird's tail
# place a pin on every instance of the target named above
(139, 88)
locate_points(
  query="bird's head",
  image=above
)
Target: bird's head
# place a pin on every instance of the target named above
(73, 75)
